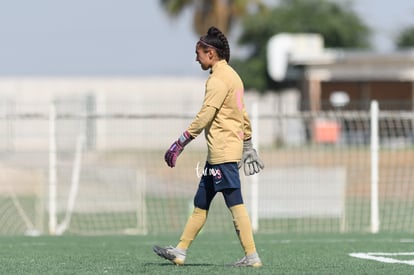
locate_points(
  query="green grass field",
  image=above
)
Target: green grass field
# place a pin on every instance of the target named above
(281, 254)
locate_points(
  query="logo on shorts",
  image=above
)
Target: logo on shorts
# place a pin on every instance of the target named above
(215, 172)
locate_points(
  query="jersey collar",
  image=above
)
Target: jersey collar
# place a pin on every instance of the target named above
(218, 64)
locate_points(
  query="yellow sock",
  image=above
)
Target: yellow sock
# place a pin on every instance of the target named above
(194, 224)
(243, 228)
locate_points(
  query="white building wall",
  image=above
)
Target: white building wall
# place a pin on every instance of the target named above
(119, 96)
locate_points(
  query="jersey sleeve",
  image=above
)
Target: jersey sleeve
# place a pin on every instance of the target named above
(202, 119)
(215, 94)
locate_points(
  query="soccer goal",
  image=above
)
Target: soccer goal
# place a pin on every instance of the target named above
(91, 198)
(103, 172)
(105, 200)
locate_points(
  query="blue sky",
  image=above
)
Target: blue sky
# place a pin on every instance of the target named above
(130, 37)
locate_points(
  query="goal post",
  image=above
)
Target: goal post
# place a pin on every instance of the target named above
(52, 184)
(92, 198)
(375, 223)
(254, 179)
(74, 187)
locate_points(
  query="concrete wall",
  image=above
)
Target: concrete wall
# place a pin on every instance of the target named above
(117, 97)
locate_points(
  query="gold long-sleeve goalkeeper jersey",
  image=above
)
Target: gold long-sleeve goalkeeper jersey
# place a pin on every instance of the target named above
(223, 116)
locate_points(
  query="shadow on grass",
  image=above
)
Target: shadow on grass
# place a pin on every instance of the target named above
(170, 264)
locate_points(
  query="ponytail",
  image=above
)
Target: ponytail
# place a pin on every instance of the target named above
(218, 41)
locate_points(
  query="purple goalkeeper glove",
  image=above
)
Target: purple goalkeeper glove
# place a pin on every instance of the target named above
(250, 159)
(176, 148)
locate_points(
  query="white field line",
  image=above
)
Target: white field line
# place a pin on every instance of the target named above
(380, 257)
(407, 240)
(327, 240)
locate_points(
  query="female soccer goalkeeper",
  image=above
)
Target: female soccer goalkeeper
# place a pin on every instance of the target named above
(228, 133)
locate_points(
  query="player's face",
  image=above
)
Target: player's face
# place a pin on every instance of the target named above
(204, 57)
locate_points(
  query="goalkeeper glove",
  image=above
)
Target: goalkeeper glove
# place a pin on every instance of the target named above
(176, 148)
(250, 159)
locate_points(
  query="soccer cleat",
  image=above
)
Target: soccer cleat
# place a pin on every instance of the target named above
(252, 260)
(175, 255)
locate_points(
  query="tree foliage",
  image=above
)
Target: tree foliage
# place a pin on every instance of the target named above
(338, 24)
(406, 38)
(207, 13)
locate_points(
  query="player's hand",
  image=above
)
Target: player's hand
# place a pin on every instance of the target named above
(176, 148)
(250, 159)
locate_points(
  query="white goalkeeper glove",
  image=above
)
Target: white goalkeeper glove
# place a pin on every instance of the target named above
(250, 159)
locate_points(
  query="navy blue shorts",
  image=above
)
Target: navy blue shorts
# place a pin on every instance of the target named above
(222, 178)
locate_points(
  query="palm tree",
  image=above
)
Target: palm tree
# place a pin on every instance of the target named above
(212, 12)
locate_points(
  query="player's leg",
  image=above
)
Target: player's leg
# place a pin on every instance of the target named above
(195, 223)
(242, 224)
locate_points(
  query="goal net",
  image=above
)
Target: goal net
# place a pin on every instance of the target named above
(106, 200)
(105, 173)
